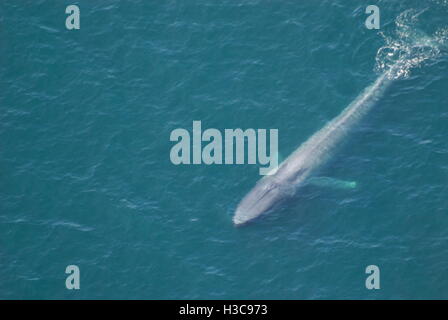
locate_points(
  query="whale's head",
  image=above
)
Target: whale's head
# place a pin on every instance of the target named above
(266, 193)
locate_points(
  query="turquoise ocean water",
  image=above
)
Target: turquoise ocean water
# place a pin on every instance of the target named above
(86, 177)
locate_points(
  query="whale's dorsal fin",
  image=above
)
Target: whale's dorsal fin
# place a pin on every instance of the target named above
(332, 183)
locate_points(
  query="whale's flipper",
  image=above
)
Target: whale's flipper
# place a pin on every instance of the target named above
(332, 183)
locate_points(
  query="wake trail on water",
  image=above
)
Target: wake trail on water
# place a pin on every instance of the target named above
(407, 47)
